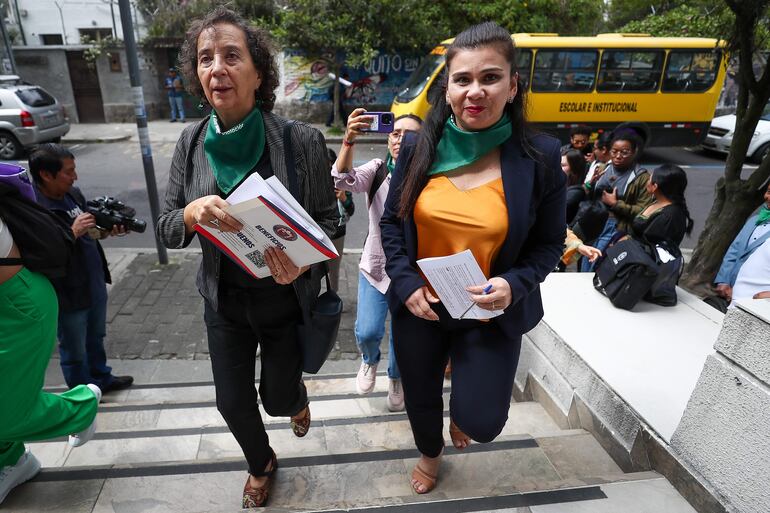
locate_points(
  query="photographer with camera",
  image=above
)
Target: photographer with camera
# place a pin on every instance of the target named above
(82, 294)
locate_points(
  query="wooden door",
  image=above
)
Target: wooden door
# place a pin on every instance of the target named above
(85, 87)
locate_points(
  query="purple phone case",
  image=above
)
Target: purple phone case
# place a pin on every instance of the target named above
(377, 125)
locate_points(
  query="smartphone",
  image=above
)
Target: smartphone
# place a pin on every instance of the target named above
(382, 122)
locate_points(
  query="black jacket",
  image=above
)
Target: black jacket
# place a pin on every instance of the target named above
(535, 196)
(73, 290)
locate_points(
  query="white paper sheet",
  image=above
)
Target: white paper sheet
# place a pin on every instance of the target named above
(275, 192)
(449, 276)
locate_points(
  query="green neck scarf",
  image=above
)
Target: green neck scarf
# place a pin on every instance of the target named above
(764, 215)
(233, 154)
(459, 148)
(389, 163)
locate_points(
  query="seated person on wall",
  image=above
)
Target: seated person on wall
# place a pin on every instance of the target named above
(82, 294)
(579, 138)
(666, 220)
(753, 234)
(753, 280)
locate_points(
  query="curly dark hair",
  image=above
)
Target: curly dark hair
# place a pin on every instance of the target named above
(260, 47)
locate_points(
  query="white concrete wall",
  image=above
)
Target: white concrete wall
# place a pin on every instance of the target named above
(43, 17)
(725, 430)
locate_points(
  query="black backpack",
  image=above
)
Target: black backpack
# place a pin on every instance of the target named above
(45, 241)
(626, 274)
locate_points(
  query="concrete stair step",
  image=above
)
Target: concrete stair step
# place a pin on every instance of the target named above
(164, 448)
(341, 481)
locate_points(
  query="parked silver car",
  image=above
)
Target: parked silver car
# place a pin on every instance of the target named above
(28, 116)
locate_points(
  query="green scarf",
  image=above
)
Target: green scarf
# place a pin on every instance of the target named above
(459, 148)
(390, 164)
(233, 154)
(764, 215)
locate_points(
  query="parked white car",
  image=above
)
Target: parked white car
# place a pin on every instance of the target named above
(720, 136)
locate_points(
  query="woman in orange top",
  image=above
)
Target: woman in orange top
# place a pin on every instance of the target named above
(474, 178)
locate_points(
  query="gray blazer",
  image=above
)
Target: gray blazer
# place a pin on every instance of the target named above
(185, 185)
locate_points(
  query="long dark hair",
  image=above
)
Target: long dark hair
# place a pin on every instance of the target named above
(672, 182)
(488, 34)
(577, 167)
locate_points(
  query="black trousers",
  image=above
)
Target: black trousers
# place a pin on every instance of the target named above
(267, 317)
(483, 368)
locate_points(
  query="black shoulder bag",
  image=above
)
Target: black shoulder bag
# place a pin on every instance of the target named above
(45, 241)
(320, 315)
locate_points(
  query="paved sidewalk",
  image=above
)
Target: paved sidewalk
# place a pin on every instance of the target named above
(161, 130)
(156, 312)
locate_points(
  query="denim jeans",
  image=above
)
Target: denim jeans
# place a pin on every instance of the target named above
(370, 325)
(177, 107)
(81, 345)
(601, 243)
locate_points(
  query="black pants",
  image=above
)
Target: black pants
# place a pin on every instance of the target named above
(483, 367)
(268, 317)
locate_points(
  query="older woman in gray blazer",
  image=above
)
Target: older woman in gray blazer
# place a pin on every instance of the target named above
(230, 63)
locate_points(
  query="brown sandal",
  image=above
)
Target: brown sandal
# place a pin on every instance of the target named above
(422, 478)
(257, 497)
(301, 425)
(458, 437)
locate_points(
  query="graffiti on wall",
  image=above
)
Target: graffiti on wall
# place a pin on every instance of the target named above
(307, 79)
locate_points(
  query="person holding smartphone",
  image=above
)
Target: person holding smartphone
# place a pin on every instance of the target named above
(372, 178)
(474, 178)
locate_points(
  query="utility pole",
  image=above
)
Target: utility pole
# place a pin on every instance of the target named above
(141, 121)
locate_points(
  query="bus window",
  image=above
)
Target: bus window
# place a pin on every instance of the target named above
(419, 78)
(690, 70)
(624, 70)
(564, 70)
(524, 66)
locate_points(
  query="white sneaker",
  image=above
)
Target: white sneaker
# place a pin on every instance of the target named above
(365, 378)
(87, 434)
(13, 475)
(395, 395)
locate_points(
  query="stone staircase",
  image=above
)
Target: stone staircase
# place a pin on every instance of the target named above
(163, 447)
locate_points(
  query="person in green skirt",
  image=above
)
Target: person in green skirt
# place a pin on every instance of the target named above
(28, 323)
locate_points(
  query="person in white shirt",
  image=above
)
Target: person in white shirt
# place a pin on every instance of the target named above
(753, 279)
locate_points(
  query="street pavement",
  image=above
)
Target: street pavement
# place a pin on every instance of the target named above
(156, 312)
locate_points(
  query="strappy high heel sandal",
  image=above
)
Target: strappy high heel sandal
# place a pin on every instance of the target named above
(459, 439)
(257, 497)
(301, 425)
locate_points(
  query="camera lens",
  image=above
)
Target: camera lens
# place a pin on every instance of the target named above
(387, 119)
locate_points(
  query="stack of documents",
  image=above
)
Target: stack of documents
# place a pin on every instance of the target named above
(449, 276)
(271, 217)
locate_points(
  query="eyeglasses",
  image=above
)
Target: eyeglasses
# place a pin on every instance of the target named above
(397, 135)
(622, 153)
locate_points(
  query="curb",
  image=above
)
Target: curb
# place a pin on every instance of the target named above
(108, 139)
(121, 138)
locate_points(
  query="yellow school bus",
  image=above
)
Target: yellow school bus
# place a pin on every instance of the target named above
(665, 87)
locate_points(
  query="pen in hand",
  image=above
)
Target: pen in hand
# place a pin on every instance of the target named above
(486, 291)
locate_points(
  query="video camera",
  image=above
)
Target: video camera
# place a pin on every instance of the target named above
(110, 212)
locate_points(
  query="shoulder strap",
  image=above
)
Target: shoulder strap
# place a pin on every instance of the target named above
(288, 152)
(379, 177)
(194, 142)
(291, 172)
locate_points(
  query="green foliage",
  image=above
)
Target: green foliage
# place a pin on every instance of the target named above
(96, 48)
(696, 19)
(685, 21)
(170, 18)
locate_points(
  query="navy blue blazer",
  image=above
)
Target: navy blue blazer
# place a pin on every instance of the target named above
(535, 192)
